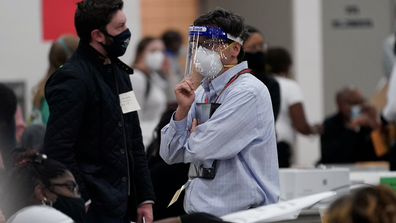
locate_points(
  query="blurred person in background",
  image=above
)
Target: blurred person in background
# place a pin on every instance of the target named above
(255, 49)
(291, 118)
(148, 85)
(8, 140)
(388, 113)
(20, 124)
(346, 136)
(374, 204)
(60, 51)
(35, 180)
(33, 137)
(173, 50)
(166, 178)
(388, 55)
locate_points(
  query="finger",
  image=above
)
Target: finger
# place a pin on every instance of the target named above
(190, 82)
(139, 218)
(193, 125)
(183, 87)
(191, 86)
(149, 219)
(189, 79)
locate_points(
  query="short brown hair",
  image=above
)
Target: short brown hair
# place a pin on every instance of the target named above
(94, 14)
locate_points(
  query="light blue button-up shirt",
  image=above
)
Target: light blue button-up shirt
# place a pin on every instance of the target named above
(240, 135)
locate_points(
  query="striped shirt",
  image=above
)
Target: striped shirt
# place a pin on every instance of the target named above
(240, 135)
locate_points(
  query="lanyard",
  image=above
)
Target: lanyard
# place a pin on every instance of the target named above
(228, 83)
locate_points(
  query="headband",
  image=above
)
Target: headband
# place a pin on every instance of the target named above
(212, 32)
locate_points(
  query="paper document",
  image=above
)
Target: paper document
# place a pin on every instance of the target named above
(284, 210)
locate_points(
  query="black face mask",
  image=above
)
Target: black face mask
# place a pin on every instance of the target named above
(72, 207)
(119, 45)
(256, 61)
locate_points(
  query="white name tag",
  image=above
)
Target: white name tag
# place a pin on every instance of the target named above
(128, 102)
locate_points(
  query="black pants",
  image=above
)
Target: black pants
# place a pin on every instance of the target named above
(391, 158)
(284, 154)
(96, 217)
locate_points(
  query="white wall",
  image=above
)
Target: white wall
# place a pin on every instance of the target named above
(352, 55)
(308, 71)
(23, 54)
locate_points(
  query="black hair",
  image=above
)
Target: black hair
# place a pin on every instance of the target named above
(142, 45)
(30, 170)
(8, 104)
(94, 14)
(172, 39)
(278, 60)
(230, 22)
(252, 29)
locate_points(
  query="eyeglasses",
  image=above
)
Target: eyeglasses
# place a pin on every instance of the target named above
(71, 186)
(254, 48)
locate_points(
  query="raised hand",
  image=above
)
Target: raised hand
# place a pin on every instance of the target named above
(185, 96)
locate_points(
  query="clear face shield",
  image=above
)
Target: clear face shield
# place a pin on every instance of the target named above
(205, 56)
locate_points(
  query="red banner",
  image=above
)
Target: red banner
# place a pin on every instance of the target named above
(58, 18)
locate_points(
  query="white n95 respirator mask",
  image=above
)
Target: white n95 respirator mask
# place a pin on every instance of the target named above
(154, 60)
(207, 62)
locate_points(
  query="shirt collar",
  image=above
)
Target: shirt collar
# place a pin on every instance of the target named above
(86, 49)
(98, 58)
(220, 81)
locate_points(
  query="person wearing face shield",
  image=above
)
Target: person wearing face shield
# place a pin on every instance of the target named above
(255, 48)
(149, 85)
(224, 128)
(93, 127)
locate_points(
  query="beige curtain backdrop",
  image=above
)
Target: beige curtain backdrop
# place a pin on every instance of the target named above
(158, 16)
